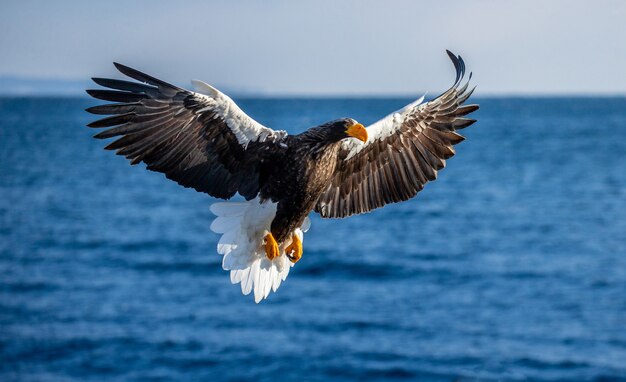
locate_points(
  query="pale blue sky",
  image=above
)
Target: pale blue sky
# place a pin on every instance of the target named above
(323, 46)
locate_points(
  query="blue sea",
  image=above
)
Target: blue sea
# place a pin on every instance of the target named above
(510, 267)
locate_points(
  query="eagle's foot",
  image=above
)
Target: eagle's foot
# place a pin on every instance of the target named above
(294, 250)
(271, 246)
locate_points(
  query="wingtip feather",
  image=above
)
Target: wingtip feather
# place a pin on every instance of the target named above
(457, 66)
(121, 67)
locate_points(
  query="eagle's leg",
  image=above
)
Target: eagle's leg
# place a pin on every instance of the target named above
(294, 250)
(271, 246)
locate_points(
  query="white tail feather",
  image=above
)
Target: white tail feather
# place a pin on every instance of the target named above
(243, 226)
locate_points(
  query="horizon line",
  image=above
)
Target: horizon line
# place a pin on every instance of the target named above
(22, 86)
(253, 95)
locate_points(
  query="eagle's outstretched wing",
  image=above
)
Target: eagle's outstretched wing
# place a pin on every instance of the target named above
(404, 151)
(204, 141)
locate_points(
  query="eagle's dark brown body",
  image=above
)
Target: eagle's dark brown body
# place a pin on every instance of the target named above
(297, 175)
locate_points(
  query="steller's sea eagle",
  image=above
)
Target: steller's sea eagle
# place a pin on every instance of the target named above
(205, 141)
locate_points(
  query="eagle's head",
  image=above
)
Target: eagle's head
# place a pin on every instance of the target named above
(345, 128)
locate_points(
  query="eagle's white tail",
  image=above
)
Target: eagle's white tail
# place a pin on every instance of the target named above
(243, 226)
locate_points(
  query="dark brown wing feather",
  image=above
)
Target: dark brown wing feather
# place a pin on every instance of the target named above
(394, 167)
(177, 132)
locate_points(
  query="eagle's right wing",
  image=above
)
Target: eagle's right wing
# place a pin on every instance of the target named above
(404, 151)
(204, 141)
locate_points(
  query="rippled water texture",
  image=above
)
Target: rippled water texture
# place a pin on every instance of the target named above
(511, 266)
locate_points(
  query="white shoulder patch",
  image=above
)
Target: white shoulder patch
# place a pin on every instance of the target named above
(381, 129)
(245, 128)
(204, 88)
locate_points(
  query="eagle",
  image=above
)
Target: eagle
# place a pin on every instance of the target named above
(201, 139)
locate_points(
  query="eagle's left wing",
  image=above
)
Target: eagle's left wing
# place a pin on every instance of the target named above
(200, 140)
(404, 151)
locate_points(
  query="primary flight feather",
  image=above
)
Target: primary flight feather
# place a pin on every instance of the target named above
(205, 141)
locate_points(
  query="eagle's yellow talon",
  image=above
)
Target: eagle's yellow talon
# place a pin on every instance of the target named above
(271, 246)
(294, 250)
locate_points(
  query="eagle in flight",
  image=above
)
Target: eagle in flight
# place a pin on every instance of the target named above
(203, 140)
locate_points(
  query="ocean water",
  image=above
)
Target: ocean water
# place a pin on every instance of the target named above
(511, 266)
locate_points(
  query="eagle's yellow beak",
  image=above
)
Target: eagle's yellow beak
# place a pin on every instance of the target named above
(357, 131)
